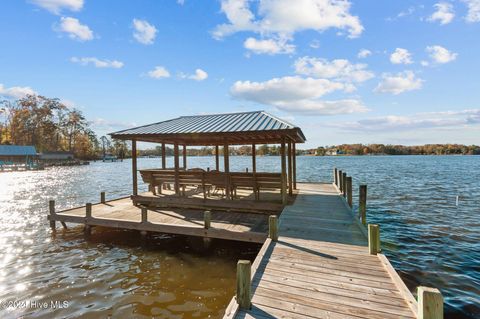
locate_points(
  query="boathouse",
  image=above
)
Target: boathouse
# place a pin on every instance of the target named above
(17, 154)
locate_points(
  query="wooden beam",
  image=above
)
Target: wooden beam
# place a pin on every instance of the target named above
(217, 160)
(294, 162)
(185, 157)
(134, 168)
(226, 163)
(176, 165)
(284, 172)
(254, 158)
(164, 159)
(290, 170)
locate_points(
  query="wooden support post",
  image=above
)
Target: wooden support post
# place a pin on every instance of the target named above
(290, 180)
(294, 164)
(349, 191)
(430, 303)
(143, 238)
(176, 164)
(340, 180)
(144, 215)
(273, 227)
(184, 157)
(362, 205)
(284, 172)
(102, 197)
(164, 159)
(373, 239)
(207, 217)
(226, 163)
(344, 184)
(244, 273)
(51, 207)
(254, 158)
(335, 176)
(88, 211)
(217, 160)
(134, 167)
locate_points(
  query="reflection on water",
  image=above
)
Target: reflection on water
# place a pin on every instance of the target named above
(429, 239)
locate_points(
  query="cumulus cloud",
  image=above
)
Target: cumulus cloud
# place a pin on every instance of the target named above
(444, 13)
(473, 14)
(75, 29)
(415, 121)
(97, 62)
(401, 56)
(199, 75)
(339, 69)
(297, 94)
(56, 6)
(440, 54)
(399, 83)
(16, 92)
(363, 53)
(159, 72)
(269, 46)
(145, 32)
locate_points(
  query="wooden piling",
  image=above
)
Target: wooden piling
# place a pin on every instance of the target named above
(344, 184)
(335, 176)
(362, 205)
(273, 227)
(373, 239)
(144, 215)
(88, 211)
(340, 180)
(430, 303)
(207, 217)
(51, 207)
(102, 197)
(143, 238)
(244, 269)
(349, 191)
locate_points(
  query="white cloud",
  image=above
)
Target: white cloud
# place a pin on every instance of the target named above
(444, 13)
(75, 29)
(473, 14)
(286, 17)
(339, 69)
(159, 72)
(399, 83)
(417, 121)
(296, 94)
(56, 6)
(199, 75)
(145, 32)
(268, 46)
(16, 92)
(440, 54)
(401, 56)
(181, 2)
(97, 62)
(363, 53)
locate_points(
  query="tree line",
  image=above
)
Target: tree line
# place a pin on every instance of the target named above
(381, 149)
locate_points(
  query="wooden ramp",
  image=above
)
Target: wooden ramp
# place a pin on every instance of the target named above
(320, 267)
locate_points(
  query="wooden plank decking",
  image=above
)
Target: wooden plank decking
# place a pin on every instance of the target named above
(320, 267)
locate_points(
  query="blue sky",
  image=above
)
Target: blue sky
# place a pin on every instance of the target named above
(344, 71)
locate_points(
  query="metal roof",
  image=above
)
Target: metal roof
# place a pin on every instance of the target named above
(211, 124)
(17, 150)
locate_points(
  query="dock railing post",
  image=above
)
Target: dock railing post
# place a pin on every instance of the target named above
(102, 197)
(207, 217)
(273, 227)
(335, 176)
(344, 184)
(88, 216)
(244, 273)
(373, 239)
(340, 181)
(144, 215)
(349, 191)
(362, 205)
(51, 207)
(430, 303)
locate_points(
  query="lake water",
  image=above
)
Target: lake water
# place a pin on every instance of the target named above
(428, 237)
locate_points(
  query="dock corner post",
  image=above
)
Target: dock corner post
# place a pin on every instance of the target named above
(340, 180)
(273, 227)
(335, 176)
(373, 239)
(362, 205)
(430, 303)
(244, 273)
(144, 215)
(344, 184)
(207, 217)
(88, 216)
(349, 191)
(102, 197)
(51, 207)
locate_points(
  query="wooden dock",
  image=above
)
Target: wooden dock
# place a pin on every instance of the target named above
(321, 267)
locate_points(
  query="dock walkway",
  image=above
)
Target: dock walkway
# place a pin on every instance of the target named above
(320, 267)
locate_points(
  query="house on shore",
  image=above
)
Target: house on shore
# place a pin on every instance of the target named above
(17, 154)
(56, 156)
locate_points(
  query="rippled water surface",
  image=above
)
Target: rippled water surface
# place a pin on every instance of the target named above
(428, 237)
